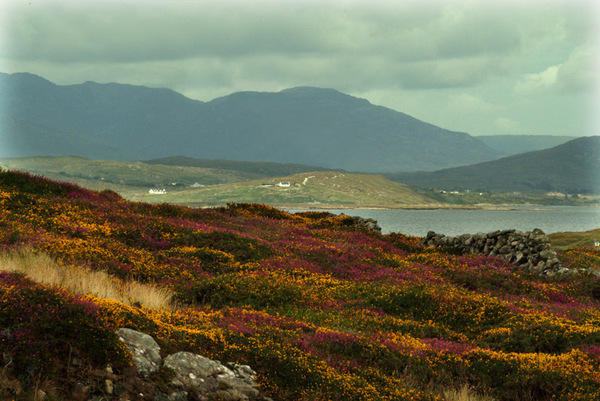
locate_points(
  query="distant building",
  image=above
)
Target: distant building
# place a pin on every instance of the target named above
(267, 184)
(157, 191)
(284, 184)
(596, 243)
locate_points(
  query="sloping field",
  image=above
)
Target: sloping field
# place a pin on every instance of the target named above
(320, 308)
(316, 188)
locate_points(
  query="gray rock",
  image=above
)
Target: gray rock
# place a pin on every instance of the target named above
(191, 370)
(145, 350)
(530, 250)
(199, 374)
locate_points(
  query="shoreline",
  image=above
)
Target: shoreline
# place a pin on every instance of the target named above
(312, 206)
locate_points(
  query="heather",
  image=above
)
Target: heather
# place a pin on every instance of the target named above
(321, 308)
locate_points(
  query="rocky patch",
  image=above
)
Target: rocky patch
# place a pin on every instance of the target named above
(193, 377)
(530, 250)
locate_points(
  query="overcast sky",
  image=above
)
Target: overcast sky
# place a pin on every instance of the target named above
(483, 67)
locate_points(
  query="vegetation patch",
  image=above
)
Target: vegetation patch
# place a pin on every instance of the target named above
(322, 309)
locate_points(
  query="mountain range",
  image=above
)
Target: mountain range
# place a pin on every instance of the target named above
(573, 167)
(516, 144)
(303, 125)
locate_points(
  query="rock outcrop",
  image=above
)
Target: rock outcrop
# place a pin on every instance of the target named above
(145, 350)
(194, 375)
(530, 250)
(370, 224)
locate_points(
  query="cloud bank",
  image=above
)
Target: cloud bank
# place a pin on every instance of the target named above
(431, 51)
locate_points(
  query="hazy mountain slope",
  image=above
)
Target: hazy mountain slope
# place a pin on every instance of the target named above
(327, 128)
(303, 125)
(573, 167)
(262, 169)
(27, 138)
(515, 144)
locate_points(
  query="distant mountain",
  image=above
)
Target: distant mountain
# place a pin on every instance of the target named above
(259, 169)
(304, 125)
(516, 144)
(573, 167)
(26, 138)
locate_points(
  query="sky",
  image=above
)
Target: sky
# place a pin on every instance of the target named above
(482, 67)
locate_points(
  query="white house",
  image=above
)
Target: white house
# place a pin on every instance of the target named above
(157, 191)
(284, 184)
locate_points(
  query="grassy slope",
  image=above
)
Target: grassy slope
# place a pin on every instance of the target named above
(323, 310)
(226, 182)
(316, 188)
(125, 176)
(240, 183)
(568, 168)
(568, 240)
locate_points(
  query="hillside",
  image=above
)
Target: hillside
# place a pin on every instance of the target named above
(319, 189)
(304, 125)
(258, 169)
(320, 308)
(516, 144)
(140, 175)
(123, 176)
(191, 182)
(29, 138)
(570, 168)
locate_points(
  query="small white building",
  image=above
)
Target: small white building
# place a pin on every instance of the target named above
(596, 243)
(284, 184)
(157, 191)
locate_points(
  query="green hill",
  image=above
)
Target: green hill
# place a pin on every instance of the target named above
(125, 176)
(516, 144)
(217, 182)
(571, 168)
(258, 169)
(319, 189)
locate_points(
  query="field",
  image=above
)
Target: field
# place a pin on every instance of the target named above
(199, 183)
(320, 308)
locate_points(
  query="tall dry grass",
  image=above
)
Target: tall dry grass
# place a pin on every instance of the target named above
(42, 268)
(465, 393)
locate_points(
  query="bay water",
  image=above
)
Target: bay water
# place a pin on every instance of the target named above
(451, 222)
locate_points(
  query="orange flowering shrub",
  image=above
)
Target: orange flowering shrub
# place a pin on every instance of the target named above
(323, 310)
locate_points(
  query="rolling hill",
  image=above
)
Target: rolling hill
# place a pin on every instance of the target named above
(303, 125)
(127, 176)
(217, 182)
(320, 308)
(572, 168)
(318, 189)
(516, 144)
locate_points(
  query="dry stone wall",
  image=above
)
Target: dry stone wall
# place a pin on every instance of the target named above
(530, 250)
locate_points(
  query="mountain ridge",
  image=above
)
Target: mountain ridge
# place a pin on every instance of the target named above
(569, 168)
(302, 125)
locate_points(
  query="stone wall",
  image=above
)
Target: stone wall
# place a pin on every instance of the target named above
(530, 250)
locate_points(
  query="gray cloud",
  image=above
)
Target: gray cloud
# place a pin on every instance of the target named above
(439, 48)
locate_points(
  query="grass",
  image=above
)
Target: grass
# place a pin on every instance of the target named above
(316, 188)
(566, 240)
(78, 280)
(465, 393)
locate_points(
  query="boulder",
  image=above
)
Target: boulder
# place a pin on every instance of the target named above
(202, 375)
(145, 350)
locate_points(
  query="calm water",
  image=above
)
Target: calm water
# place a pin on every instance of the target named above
(454, 222)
